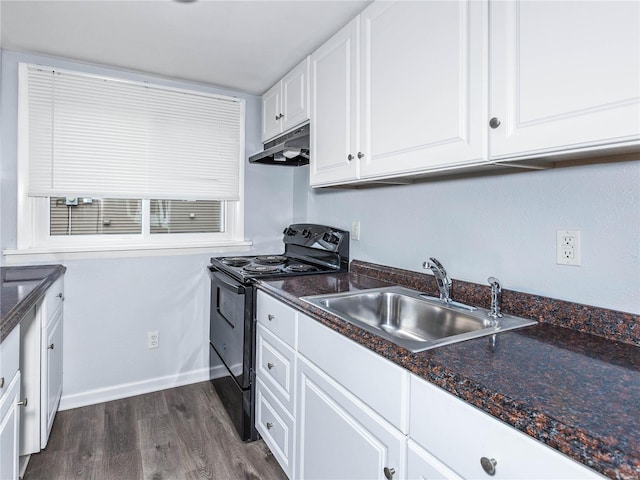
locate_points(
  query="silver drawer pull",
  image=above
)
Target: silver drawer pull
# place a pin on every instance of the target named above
(60, 296)
(270, 317)
(50, 347)
(23, 403)
(388, 472)
(1, 382)
(270, 365)
(269, 425)
(489, 465)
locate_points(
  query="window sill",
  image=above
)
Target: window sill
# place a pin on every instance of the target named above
(40, 254)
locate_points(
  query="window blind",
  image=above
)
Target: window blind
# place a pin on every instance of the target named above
(103, 137)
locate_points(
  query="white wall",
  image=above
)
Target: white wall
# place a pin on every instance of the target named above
(112, 303)
(505, 226)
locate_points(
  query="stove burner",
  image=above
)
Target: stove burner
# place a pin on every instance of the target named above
(300, 267)
(261, 269)
(271, 260)
(235, 261)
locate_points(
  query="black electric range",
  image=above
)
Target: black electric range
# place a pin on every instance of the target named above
(309, 249)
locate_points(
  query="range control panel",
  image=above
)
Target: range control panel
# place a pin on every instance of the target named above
(315, 236)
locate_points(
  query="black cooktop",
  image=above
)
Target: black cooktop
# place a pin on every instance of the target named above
(309, 249)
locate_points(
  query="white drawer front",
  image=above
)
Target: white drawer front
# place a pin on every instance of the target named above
(376, 381)
(459, 435)
(422, 465)
(9, 358)
(54, 297)
(275, 426)
(277, 317)
(275, 366)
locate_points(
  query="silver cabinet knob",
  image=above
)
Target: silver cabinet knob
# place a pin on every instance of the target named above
(59, 295)
(270, 365)
(389, 472)
(279, 116)
(360, 154)
(50, 347)
(269, 425)
(494, 122)
(489, 465)
(270, 317)
(350, 157)
(1, 382)
(23, 403)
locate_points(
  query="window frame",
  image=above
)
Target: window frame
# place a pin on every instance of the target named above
(33, 227)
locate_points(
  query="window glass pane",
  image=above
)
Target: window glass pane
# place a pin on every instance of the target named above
(181, 216)
(92, 216)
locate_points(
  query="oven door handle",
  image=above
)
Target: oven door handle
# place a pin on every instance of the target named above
(236, 288)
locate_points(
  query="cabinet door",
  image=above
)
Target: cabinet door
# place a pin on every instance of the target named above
(51, 389)
(9, 430)
(423, 86)
(338, 436)
(295, 96)
(271, 111)
(334, 100)
(564, 75)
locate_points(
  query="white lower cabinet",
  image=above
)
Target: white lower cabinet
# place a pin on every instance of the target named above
(9, 408)
(329, 408)
(41, 366)
(338, 436)
(10, 430)
(465, 438)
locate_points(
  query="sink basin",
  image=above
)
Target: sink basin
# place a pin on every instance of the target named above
(408, 319)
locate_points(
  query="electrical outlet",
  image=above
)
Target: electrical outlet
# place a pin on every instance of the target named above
(152, 340)
(355, 230)
(568, 247)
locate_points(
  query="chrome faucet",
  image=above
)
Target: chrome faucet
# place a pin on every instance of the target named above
(442, 279)
(496, 291)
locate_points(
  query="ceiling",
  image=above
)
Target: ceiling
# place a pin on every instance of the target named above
(243, 45)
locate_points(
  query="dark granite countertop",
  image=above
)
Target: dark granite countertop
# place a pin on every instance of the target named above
(21, 289)
(577, 392)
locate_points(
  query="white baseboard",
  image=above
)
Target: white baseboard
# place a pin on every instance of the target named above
(124, 390)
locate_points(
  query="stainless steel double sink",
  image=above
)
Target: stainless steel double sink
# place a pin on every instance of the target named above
(411, 320)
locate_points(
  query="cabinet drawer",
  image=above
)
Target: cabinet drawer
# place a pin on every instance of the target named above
(275, 426)
(277, 317)
(9, 358)
(376, 381)
(459, 435)
(54, 297)
(422, 465)
(11, 394)
(275, 366)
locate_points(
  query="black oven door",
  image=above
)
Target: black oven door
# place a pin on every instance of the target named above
(231, 338)
(229, 330)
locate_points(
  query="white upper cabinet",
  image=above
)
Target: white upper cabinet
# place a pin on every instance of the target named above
(334, 108)
(286, 104)
(565, 76)
(412, 88)
(271, 120)
(423, 86)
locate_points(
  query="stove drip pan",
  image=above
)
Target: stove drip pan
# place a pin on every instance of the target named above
(236, 261)
(261, 268)
(270, 260)
(300, 268)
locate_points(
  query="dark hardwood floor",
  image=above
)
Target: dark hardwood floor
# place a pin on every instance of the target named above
(181, 433)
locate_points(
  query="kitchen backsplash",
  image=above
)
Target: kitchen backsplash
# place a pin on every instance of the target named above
(611, 324)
